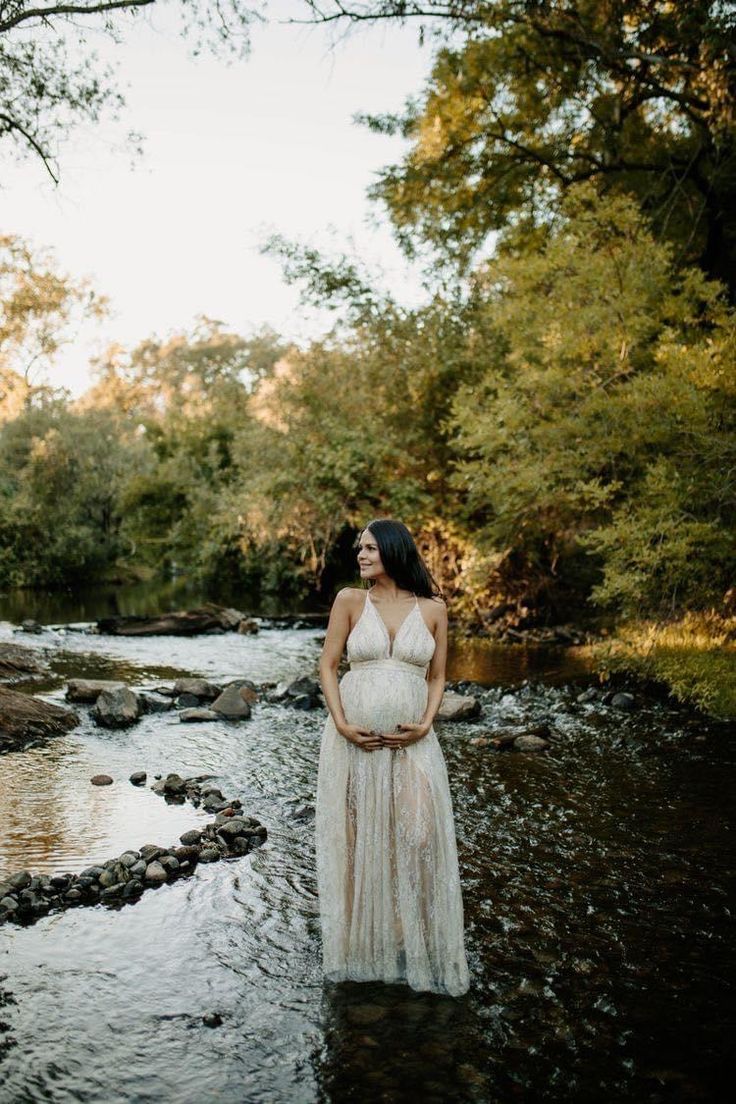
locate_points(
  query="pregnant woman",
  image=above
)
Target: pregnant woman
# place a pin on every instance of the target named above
(387, 871)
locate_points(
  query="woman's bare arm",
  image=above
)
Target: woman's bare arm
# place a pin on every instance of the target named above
(437, 666)
(338, 629)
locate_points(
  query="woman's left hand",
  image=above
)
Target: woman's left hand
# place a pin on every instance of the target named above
(407, 734)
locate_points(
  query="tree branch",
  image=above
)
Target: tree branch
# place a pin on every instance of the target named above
(70, 9)
(13, 124)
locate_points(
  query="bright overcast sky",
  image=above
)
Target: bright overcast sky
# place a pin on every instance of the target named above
(231, 153)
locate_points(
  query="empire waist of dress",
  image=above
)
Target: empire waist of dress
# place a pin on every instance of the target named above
(390, 664)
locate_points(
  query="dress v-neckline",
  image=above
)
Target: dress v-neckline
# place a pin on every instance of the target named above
(385, 626)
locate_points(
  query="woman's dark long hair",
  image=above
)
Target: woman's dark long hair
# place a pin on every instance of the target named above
(401, 558)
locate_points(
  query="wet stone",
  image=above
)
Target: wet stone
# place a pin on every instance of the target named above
(530, 743)
(198, 713)
(155, 873)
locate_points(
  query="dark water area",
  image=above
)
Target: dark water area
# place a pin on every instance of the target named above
(598, 883)
(79, 604)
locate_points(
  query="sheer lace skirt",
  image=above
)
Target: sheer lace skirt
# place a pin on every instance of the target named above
(387, 870)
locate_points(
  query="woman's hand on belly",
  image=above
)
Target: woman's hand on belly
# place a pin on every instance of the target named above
(407, 734)
(364, 738)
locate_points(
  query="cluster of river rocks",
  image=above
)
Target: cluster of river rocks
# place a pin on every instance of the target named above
(24, 897)
(196, 699)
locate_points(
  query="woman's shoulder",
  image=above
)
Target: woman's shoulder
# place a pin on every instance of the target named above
(436, 607)
(349, 594)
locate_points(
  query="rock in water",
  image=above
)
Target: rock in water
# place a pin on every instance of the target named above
(116, 708)
(89, 690)
(197, 687)
(232, 704)
(155, 873)
(457, 707)
(15, 661)
(24, 718)
(530, 743)
(199, 714)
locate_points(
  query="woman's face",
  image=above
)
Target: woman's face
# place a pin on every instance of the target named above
(369, 558)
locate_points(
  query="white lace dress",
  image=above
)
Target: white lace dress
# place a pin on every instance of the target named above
(387, 871)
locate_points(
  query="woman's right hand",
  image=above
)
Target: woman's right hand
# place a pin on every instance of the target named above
(363, 738)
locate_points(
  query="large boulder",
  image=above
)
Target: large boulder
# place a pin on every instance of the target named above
(25, 719)
(17, 662)
(116, 708)
(89, 690)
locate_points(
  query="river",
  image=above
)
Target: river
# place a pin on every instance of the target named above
(597, 878)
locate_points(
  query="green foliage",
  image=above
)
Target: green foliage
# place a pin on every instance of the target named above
(606, 413)
(61, 475)
(528, 99)
(695, 656)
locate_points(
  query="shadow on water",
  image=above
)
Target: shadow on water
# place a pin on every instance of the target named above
(598, 881)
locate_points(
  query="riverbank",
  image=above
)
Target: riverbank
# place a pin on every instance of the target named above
(694, 657)
(690, 659)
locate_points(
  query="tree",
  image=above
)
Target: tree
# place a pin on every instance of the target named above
(37, 305)
(528, 97)
(50, 80)
(605, 420)
(61, 478)
(186, 398)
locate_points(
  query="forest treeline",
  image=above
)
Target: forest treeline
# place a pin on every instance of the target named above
(556, 423)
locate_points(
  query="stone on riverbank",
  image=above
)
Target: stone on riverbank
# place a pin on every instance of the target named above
(116, 708)
(149, 704)
(30, 625)
(138, 778)
(101, 780)
(172, 785)
(457, 707)
(623, 701)
(25, 720)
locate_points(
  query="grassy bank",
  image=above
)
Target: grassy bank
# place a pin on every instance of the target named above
(695, 657)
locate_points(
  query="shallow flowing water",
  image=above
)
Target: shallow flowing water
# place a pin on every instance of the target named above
(597, 880)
